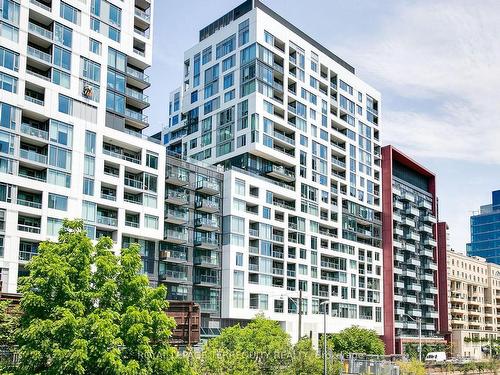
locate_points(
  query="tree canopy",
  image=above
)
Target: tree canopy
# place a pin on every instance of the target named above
(356, 340)
(86, 310)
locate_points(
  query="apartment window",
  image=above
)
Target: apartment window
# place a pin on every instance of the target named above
(90, 70)
(9, 11)
(258, 301)
(69, 13)
(151, 221)
(238, 299)
(266, 213)
(7, 142)
(61, 78)
(95, 46)
(206, 55)
(228, 80)
(344, 86)
(116, 81)
(58, 202)
(117, 60)
(239, 187)
(149, 200)
(226, 46)
(8, 83)
(243, 32)
(239, 259)
(152, 160)
(241, 140)
(228, 63)
(88, 186)
(90, 142)
(9, 59)
(61, 133)
(60, 158)
(8, 116)
(228, 96)
(239, 279)
(89, 166)
(58, 178)
(115, 102)
(63, 35)
(53, 226)
(194, 96)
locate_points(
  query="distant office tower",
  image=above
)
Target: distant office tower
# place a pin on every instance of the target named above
(474, 296)
(298, 135)
(412, 262)
(485, 231)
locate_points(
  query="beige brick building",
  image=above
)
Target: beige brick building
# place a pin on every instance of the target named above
(474, 304)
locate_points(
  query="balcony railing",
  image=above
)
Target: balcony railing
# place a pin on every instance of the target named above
(27, 203)
(34, 132)
(109, 197)
(142, 14)
(206, 279)
(177, 235)
(33, 156)
(178, 275)
(40, 55)
(136, 115)
(41, 5)
(206, 260)
(137, 74)
(40, 30)
(138, 184)
(32, 99)
(26, 255)
(132, 223)
(106, 220)
(137, 95)
(28, 228)
(121, 156)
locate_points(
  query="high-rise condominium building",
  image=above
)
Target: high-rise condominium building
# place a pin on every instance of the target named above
(71, 115)
(474, 296)
(485, 231)
(71, 146)
(413, 264)
(298, 135)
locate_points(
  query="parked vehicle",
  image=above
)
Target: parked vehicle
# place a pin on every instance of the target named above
(435, 357)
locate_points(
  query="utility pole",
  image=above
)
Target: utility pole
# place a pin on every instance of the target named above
(300, 314)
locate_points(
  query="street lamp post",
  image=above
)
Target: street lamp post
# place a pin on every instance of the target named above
(419, 323)
(324, 336)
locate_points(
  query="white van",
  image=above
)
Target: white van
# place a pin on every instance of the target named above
(435, 357)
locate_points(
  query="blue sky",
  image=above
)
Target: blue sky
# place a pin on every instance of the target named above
(436, 63)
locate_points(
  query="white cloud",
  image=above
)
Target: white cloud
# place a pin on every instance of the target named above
(446, 52)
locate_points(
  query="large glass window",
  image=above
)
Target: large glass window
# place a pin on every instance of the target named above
(116, 81)
(65, 104)
(9, 10)
(69, 13)
(61, 133)
(9, 59)
(117, 60)
(90, 70)
(58, 202)
(61, 78)
(115, 102)
(58, 178)
(243, 32)
(90, 142)
(62, 58)
(8, 83)
(226, 46)
(8, 116)
(60, 157)
(63, 35)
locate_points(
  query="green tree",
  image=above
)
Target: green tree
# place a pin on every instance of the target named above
(9, 323)
(305, 360)
(261, 347)
(356, 340)
(87, 311)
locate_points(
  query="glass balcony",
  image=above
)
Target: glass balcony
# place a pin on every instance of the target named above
(41, 5)
(40, 31)
(176, 216)
(175, 236)
(430, 242)
(206, 242)
(173, 255)
(137, 95)
(412, 211)
(137, 74)
(206, 280)
(26, 256)
(178, 198)
(207, 205)
(137, 116)
(121, 155)
(34, 132)
(206, 224)
(280, 172)
(29, 203)
(142, 15)
(107, 220)
(178, 177)
(39, 55)
(173, 275)
(208, 187)
(206, 261)
(33, 156)
(134, 183)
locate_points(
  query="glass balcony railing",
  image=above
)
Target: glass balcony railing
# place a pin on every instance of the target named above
(137, 74)
(39, 30)
(176, 235)
(40, 55)
(26, 255)
(206, 279)
(41, 5)
(33, 156)
(107, 220)
(136, 115)
(137, 95)
(142, 14)
(29, 203)
(205, 259)
(28, 228)
(137, 184)
(177, 275)
(34, 132)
